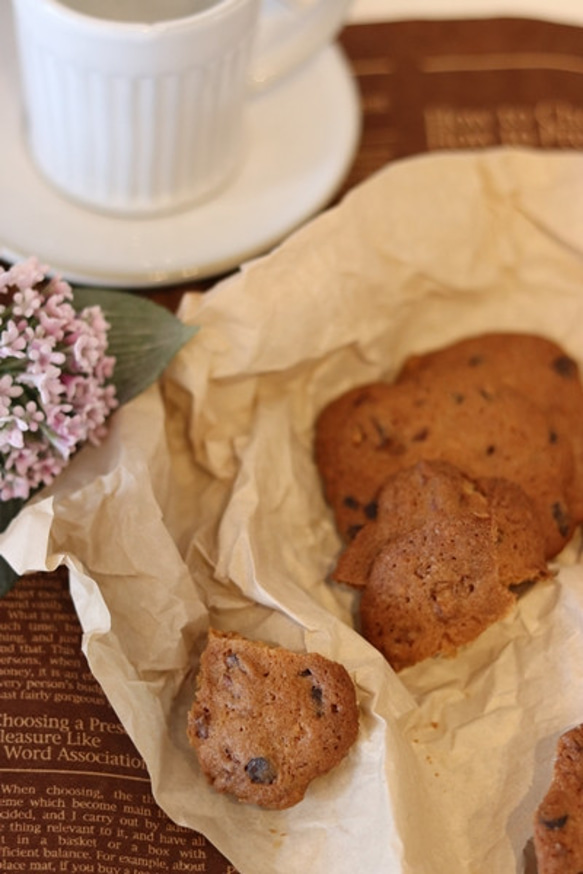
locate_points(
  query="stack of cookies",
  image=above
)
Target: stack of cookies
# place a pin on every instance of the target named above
(453, 486)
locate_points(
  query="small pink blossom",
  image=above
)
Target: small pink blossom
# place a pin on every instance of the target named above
(8, 391)
(55, 378)
(25, 274)
(26, 303)
(12, 341)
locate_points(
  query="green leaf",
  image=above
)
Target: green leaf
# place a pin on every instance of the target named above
(144, 336)
(8, 510)
(8, 576)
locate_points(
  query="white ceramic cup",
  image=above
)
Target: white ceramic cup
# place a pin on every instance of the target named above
(136, 107)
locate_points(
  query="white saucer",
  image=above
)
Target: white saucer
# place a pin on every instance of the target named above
(303, 134)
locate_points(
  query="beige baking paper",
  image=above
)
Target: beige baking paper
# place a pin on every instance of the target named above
(204, 506)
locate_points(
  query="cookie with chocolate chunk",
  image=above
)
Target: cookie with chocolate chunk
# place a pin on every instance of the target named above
(533, 365)
(485, 428)
(558, 821)
(266, 721)
(441, 561)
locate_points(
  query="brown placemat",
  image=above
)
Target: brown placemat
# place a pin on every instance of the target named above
(443, 85)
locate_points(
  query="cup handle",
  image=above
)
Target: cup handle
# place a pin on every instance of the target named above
(290, 31)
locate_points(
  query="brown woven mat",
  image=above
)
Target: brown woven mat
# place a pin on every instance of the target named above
(435, 85)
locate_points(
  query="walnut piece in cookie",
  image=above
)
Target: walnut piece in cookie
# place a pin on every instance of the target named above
(266, 721)
(558, 821)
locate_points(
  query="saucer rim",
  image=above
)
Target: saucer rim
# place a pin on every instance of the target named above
(330, 62)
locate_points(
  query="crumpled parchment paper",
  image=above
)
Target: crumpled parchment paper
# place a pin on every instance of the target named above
(204, 505)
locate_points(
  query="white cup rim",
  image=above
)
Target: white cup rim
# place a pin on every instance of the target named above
(138, 28)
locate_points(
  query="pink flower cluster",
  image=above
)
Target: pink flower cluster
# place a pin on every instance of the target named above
(55, 389)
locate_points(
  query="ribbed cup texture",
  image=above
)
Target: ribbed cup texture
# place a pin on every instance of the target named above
(136, 144)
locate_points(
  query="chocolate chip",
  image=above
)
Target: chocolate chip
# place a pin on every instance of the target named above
(565, 366)
(384, 438)
(475, 360)
(261, 770)
(561, 517)
(458, 397)
(316, 695)
(490, 450)
(554, 824)
(361, 398)
(387, 442)
(371, 510)
(201, 727)
(351, 502)
(353, 531)
(421, 435)
(553, 437)
(306, 673)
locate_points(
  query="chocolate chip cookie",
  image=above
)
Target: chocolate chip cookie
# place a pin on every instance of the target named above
(533, 365)
(442, 560)
(558, 821)
(484, 427)
(266, 721)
